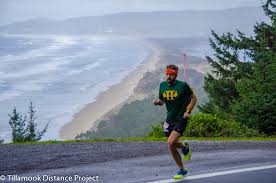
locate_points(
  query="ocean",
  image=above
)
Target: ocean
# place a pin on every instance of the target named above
(60, 75)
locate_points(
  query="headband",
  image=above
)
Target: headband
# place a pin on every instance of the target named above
(171, 71)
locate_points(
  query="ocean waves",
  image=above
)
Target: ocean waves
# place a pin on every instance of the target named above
(61, 74)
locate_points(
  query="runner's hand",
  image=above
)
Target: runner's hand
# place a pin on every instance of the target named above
(157, 102)
(186, 115)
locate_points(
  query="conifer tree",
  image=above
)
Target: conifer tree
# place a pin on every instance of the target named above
(256, 106)
(242, 82)
(33, 134)
(18, 126)
(25, 129)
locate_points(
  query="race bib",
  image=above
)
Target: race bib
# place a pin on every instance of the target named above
(166, 127)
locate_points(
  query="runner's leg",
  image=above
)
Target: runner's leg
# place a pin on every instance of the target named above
(173, 138)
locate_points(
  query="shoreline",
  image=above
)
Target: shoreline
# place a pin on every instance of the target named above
(89, 116)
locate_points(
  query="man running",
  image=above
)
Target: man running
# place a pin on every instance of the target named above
(180, 101)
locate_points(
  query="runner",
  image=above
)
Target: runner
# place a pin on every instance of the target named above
(180, 101)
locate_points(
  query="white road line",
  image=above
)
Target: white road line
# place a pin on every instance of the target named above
(192, 177)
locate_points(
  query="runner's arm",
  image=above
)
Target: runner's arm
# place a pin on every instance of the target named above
(190, 106)
(160, 101)
(192, 103)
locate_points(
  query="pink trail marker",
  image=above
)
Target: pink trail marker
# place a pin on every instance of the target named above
(185, 65)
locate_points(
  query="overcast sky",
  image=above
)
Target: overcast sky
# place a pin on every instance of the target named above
(18, 10)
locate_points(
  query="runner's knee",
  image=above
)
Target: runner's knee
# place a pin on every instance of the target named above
(171, 143)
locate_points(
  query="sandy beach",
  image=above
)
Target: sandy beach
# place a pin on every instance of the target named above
(88, 117)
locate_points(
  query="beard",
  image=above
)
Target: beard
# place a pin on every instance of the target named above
(170, 81)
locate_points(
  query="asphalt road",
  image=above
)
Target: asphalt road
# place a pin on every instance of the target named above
(263, 176)
(160, 168)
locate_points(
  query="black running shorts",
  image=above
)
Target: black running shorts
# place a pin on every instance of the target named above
(180, 127)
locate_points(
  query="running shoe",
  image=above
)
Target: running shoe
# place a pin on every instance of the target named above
(186, 150)
(181, 173)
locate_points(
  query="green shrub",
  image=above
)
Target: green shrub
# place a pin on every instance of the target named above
(157, 131)
(209, 125)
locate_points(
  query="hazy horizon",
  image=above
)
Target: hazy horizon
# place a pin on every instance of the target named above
(15, 10)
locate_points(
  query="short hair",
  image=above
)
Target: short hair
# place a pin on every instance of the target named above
(173, 67)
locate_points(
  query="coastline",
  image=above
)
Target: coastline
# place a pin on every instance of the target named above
(89, 116)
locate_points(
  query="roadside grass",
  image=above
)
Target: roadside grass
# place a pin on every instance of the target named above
(148, 139)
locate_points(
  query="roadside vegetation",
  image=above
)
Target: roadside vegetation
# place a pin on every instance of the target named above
(24, 129)
(242, 84)
(210, 126)
(147, 139)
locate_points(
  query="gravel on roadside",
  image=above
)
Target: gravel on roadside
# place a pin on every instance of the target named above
(21, 158)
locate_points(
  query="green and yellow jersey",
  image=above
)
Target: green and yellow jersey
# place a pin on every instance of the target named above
(176, 97)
